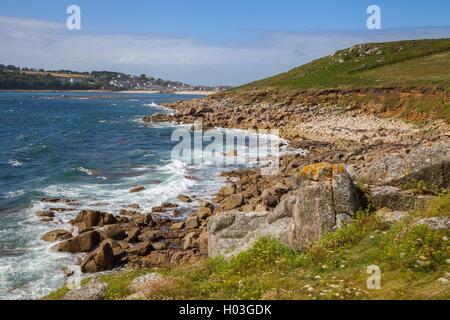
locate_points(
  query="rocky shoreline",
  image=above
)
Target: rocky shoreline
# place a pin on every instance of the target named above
(353, 160)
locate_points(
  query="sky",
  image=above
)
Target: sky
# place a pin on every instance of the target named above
(204, 42)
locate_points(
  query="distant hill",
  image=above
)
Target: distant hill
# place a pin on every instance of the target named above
(418, 63)
(404, 79)
(17, 78)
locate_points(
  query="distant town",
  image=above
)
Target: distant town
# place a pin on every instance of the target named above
(23, 78)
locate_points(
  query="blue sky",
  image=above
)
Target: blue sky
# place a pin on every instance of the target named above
(208, 42)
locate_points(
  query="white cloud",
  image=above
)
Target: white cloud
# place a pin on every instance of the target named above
(44, 44)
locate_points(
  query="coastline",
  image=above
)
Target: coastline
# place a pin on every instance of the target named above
(203, 93)
(248, 195)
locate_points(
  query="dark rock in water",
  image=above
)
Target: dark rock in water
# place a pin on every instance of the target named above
(57, 200)
(137, 189)
(124, 212)
(84, 242)
(45, 214)
(184, 198)
(88, 219)
(56, 235)
(100, 259)
(169, 205)
(61, 209)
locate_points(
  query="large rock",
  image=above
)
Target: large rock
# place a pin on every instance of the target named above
(45, 214)
(184, 198)
(397, 199)
(232, 232)
(436, 223)
(119, 248)
(99, 260)
(87, 219)
(430, 163)
(232, 202)
(140, 249)
(84, 242)
(113, 231)
(137, 189)
(192, 222)
(56, 235)
(141, 220)
(94, 290)
(323, 200)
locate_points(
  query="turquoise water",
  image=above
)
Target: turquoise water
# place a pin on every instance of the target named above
(90, 147)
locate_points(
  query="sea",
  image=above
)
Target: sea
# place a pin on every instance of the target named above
(91, 148)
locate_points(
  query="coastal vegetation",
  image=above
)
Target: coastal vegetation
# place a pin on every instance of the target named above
(414, 260)
(402, 64)
(404, 79)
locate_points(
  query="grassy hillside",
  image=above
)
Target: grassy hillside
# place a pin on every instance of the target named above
(418, 63)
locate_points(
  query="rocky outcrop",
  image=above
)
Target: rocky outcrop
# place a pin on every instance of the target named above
(436, 223)
(94, 290)
(397, 199)
(137, 189)
(84, 242)
(231, 202)
(56, 235)
(324, 200)
(113, 231)
(100, 259)
(87, 219)
(232, 232)
(429, 162)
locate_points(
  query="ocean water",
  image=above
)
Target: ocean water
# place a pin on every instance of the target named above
(90, 147)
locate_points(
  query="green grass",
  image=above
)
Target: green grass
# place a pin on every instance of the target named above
(58, 294)
(421, 187)
(423, 63)
(118, 283)
(440, 207)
